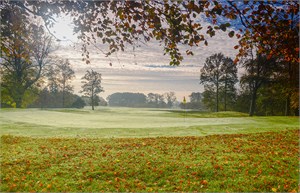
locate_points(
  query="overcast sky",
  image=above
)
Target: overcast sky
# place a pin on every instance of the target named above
(147, 71)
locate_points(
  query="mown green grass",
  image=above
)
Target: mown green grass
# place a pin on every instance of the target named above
(125, 149)
(130, 122)
(203, 114)
(261, 162)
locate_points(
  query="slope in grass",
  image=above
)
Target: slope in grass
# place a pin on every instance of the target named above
(203, 114)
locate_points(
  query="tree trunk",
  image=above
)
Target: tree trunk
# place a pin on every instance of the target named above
(18, 97)
(92, 97)
(253, 103)
(92, 102)
(18, 102)
(296, 111)
(217, 97)
(287, 106)
(225, 97)
(63, 99)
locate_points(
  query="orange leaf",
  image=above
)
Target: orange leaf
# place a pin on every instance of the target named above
(204, 182)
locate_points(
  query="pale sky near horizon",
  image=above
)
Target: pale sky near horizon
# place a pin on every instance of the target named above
(148, 71)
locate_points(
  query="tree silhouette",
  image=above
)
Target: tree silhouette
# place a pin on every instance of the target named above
(272, 26)
(218, 73)
(25, 52)
(91, 85)
(259, 71)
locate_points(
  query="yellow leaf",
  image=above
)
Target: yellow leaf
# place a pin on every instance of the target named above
(274, 189)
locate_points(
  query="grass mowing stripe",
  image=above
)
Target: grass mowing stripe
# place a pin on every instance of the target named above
(262, 162)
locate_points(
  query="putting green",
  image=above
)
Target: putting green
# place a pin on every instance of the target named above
(133, 122)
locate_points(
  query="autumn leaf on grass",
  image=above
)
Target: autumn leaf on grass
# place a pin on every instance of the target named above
(204, 182)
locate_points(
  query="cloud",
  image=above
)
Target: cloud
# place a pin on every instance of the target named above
(147, 69)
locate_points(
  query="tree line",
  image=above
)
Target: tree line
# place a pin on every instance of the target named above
(151, 100)
(268, 49)
(262, 86)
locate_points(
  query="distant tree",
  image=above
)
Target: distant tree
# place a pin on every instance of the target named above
(195, 101)
(59, 76)
(209, 97)
(195, 97)
(161, 101)
(102, 102)
(99, 101)
(49, 99)
(78, 103)
(228, 81)
(171, 99)
(156, 100)
(25, 52)
(127, 99)
(51, 76)
(152, 99)
(173, 23)
(211, 74)
(218, 74)
(66, 74)
(91, 85)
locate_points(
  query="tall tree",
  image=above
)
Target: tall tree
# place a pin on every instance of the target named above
(219, 74)
(228, 80)
(259, 71)
(25, 52)
(211, 73)
(116, 23)
(91, 85)
(59, 76)
(209, 97)
(65, 75)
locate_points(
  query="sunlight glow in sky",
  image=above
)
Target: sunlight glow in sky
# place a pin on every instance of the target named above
(147, 71)
(63, 30)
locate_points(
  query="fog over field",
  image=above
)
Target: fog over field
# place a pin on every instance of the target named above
(143, 69)
(106, 122)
